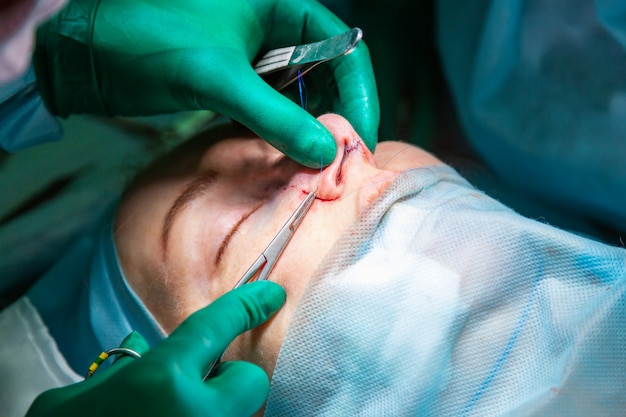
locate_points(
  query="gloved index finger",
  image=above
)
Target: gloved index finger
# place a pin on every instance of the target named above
(309, 21)
(204, 335)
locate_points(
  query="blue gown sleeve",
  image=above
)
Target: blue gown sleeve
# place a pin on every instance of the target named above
(24, 119)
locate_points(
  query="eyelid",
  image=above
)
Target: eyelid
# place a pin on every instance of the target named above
(233, 230)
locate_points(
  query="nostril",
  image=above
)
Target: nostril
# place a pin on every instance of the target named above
(339, 176)
(330, 181)
(355, 145)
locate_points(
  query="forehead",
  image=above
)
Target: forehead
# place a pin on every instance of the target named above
(237, 153)
(197, 154)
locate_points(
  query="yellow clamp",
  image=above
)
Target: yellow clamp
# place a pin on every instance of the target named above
(105, 355)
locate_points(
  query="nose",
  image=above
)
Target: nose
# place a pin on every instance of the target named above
(351, 152)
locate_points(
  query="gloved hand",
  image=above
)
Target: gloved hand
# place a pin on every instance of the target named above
(167, 380)
(140, 57)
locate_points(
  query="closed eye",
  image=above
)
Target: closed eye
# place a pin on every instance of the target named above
(233, 230)
(195, 189)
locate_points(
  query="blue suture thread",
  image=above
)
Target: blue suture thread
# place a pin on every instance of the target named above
(304, 98)
(506, 352)
(302, 90)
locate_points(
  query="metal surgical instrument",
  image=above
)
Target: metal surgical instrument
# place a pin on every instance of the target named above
(264, 264)
(281, 67)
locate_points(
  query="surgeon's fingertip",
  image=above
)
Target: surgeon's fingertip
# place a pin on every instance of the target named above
(254, 376)
(320, 150)
(368, 134)
(327, 149)
(135, 342)
(269, 295)
(371, 140)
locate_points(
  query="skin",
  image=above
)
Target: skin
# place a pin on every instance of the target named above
(180, 274)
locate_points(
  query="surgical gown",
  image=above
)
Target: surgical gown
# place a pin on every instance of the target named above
(540, 88)
(24, 119)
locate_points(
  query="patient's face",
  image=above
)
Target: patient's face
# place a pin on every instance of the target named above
(191, 226)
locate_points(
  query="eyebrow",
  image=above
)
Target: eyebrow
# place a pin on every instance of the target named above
(196, 188)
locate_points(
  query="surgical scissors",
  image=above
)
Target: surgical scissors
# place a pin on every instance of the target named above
(264, 264)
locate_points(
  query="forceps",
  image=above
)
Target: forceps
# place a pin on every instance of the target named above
(281, 67)
(264, 264)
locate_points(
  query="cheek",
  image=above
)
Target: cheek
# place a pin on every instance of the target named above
(398, 156)
(233, 268)
(262, 344)
(191, 262)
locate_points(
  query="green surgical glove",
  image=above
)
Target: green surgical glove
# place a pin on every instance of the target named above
(167, 380)
(141, 57)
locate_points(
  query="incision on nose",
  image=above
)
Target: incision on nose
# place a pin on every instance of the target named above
(330, 181)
